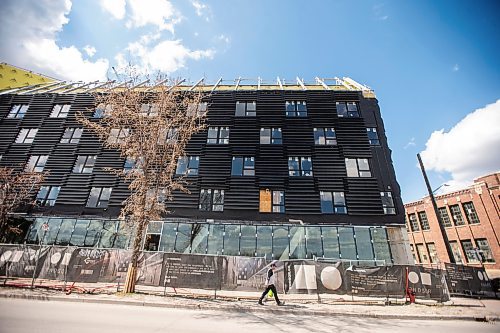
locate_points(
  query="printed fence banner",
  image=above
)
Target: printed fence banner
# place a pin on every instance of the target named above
(150, 268)
(376, 281)
(92, 265)
(248, 274)
(305, 276)
(427, 283)
(191, 271)
(20, 261)
(467, 280)
(55, 265)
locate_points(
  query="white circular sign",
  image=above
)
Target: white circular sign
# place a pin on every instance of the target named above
(55, 258)
(413, 277)
(480, 275)
(331, 278)
(5, 256)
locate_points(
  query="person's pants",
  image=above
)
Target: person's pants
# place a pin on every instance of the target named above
(275, 293)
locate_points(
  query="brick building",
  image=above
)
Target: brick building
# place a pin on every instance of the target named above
(472, 223)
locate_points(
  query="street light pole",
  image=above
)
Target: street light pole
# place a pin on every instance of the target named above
(434, 206)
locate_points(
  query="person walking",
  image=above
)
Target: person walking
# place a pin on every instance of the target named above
(270, 285)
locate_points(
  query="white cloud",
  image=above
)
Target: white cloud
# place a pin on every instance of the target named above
(456, 68)
(223, 38)
(114, 7)
(166, 56)
(379, 12)
(29, 39)
(411, 143)
(160, 13)
(202, 10)
(90, 50)
(469, 149)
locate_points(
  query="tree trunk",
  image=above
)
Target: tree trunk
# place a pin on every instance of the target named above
(131, 278)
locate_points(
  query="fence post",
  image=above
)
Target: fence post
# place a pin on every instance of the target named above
(45, 227)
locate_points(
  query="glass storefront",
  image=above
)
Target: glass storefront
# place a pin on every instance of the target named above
(365, 245)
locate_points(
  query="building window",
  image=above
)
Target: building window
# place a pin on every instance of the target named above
(149, 110)
(47, 195)
(99, 197)
(243, 166)
(246, 109)
(347, 109)
(84, 163)
(469, 251)
(357, 167)
(72, 135)
(431, 247)
(373, 136)
(412, 248)
(333, 203)
(424, 222)
(422, 254)
(413, 222)
(388, 203)
(484, 250)
(218, 135)
(60, 111)
(211, 200)
(470, 212)
(199, 109)
(300, 166)
(36, 163)
(188, 165)
(456, 215)
(18, 111)
(271, 201)
(445, 218)
(325, 136)
(296, 108)
(118, 135)
(26, 135)
(102, 110)
(128, 165)
(456, 252)
(270, 136)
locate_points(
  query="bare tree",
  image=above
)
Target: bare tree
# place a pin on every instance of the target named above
(17, 190)
(150, 128)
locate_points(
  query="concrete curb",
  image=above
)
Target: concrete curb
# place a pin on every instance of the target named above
(249, 309)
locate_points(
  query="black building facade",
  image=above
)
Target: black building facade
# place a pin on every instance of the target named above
(282, 171)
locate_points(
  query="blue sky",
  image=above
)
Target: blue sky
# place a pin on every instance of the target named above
(434, 65)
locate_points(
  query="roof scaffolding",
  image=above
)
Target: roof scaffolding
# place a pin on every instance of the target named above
(238, 84)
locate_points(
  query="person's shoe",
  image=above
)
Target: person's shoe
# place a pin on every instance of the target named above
(260, 302)
(281, 303)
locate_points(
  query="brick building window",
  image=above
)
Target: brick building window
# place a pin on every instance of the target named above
(470, 213)
(347, 109)
(60, 111)
(246, 109)
(373, 136)
(431, 247)
(413, 222)
(84, 163)
(243, 166)
(468, 249)
(296, 109)
(200, 109)
(455, 248)
(422, 254)
(26, 135)
(18, 111)
(456, 215)
(412, 248)
(333, 202)
(36, 163)
(271, 201)
(424, 222)
(300, 166)
(357, 167)
(47, 195)
(218, 135)
(325, 136)
(388, 203)
(72, 135)
(445, 218)
(99, 197)
(188, 165)
(271, 136)
(211, 200)
(485, 250)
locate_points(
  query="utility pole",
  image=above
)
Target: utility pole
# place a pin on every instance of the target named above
(434, 205)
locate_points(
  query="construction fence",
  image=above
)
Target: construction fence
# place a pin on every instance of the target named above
(75, 265)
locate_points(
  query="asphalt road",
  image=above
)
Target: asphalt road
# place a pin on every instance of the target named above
(68, 317)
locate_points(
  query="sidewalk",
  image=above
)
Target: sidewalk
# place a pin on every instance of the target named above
(300, 305)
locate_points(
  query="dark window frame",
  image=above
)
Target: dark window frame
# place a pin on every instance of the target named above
(87, 164)
(209, 201)
(347, 110)
(245, 167)
(301, 171)
(373, 138)
(323, 136)
(361, 173)
(101, 199)
(296, 109)
(60, 110)
(26, 135)
(72, 135)
(36, 163)
(47, 195)
(191, 163)
(242, 109)
(218, 139)
(330, 200)
(18, 111)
